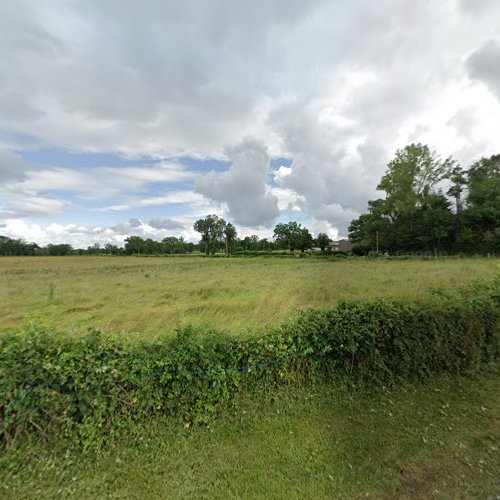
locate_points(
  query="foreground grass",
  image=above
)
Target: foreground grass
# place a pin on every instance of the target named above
(440, 439)
(150, 295)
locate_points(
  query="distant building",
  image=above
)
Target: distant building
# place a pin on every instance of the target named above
(345, 246)
(341, 246)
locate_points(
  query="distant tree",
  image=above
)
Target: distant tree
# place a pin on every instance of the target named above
(211, 229)
(134, 245)
(303, 240)
(229, 237)
(10, 246)
(293, 236)
(172, 244)
(458, 183)
(322, 240)
(94, 249)
(111, 249)
(59, 249)
(250, 242)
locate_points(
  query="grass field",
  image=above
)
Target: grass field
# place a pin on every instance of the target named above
(438, 440)
(152, 295)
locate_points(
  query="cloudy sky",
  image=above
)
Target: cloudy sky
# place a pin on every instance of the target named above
(123, 117)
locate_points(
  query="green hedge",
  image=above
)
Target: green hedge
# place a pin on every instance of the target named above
(262, 253)
(94, 386)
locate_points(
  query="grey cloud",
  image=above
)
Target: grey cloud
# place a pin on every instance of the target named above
(25, 205)
(333, 184)
(484, 65)
(134, 223)
(12, 167)
(99, 88)
(243, 187)
(27, 188)
(478, 6)
(137, 227)
(463, 121)
(18, 202)
(132, 226)
(165, 224)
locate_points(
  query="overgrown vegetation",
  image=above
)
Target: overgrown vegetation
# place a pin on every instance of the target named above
(146, 296)
(92, 386)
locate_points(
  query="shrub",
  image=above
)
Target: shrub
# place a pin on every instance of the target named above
(263, 253)
(94, 386)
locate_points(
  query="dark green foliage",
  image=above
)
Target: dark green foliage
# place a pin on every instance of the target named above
(322, 241)
(211, 229)
(482, 214)
(263, 253)
(91, 387)
(10, 246)
(293, 236)
(416, 216)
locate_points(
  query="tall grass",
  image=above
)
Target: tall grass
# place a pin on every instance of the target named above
(151, 295)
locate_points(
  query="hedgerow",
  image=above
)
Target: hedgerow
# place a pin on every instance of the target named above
(93, 386)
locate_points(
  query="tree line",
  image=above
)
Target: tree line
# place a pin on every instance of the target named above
(432, 204)
(217, 236)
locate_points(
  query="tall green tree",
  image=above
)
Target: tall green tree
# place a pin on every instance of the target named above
(483, 204)
(322, 240)
(211, 229)
(411, 175)
(434, 223)
(134, 244)
(230, 234)
(396, 222)
(458, 182)
(293, 236)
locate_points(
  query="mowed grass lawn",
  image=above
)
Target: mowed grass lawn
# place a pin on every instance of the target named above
(154, 295)
(440, 439)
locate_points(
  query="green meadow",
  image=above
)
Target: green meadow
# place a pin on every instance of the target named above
(146, 296)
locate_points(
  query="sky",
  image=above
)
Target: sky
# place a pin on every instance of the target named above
(122, 117)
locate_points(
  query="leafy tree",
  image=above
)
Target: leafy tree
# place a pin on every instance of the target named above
(211, 229)
(483, 203)
(111, 249)
(293, 236)
(322, 240)
(94, 249)
(10, 246)
(250, 242)
(411, 175)
(134, 244)
(458, 182)
(172, 244)
(303, 240)
(229, 237)
(435, 222)
(403, 219)
(376, 225)
(59, 249)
